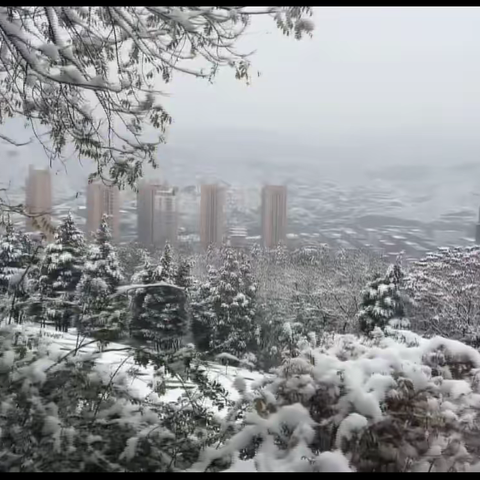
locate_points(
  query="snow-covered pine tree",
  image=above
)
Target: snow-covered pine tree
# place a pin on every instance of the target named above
(61, 271)
(229, 306)
(158, 312)
(169, 303)
(382, 301)
(183, 277)
(13, 255)
(445, 288)
(203, 313)
(143, 276)
(280, 254)
(101, 315)
(130, 257)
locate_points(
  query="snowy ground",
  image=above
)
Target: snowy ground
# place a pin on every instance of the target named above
(118, 360)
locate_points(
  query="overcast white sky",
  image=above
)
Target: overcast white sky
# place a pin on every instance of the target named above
(394, 85)
(366, 71)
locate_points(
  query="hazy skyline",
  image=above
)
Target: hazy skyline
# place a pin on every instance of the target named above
(374, 84)
(367, 70)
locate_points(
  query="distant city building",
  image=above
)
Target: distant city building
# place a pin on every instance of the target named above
(165, 217)
(212, 214)
(146, 194)
(274, 215)
(157, 214)
(38, 202)
(477, 231)
(238, 237)
(103, 200)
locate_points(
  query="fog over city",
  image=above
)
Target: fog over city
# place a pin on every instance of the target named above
(295, 288)
(379, 99)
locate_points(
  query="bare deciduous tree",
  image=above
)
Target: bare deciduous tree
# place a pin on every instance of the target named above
(445, 286)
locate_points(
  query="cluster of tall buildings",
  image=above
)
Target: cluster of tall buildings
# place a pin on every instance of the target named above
(157, 212)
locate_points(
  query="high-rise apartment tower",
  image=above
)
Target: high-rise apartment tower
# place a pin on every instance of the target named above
(274, 215)
(157, 214)
(212, 214)
(103, 200)
(38, 202)
(477, 231)
(165, 217)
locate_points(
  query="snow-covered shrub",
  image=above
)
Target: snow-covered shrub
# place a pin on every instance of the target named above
(60, 273)
(101, 314)
(61, 411)
(382, 301)
(158, 310)
(445, 288)
(225, 310)
(373, 404)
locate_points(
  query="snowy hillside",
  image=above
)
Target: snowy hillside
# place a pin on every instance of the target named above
(118, 360)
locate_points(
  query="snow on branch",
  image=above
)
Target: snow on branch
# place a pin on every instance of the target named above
(93, 73)
(128, 288)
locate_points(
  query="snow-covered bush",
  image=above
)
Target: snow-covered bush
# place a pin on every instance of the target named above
(60, 273)
(372, 405)
(158, 310)
(18, 265)
(101, 314)
(71, 67)
(63, 411)
(445, 288)
(224, 308)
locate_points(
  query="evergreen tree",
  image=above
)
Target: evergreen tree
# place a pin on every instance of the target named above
(280, 254)
(159, 312)
(130, 257)
(228, 308)
(18, 258)
(183, 277)
(13, 255)
(101, 315)
(181, 320)
(202, 310)
(61, 271)
(382, 301)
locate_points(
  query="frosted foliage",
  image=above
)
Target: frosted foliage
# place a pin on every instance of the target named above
(382, 301)
(13, 256)
(60, 273)
(71, 68)
(158, 308)
(71, 413)
(225, 308)
(100, 279)
(317, 288)
(307, 292)
(445, 286)
(365, 405)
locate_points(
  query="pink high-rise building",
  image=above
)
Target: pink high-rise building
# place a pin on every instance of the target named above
(212, 215)
(157, 214)
(274, 215)
(103, 200)
(38, 202)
